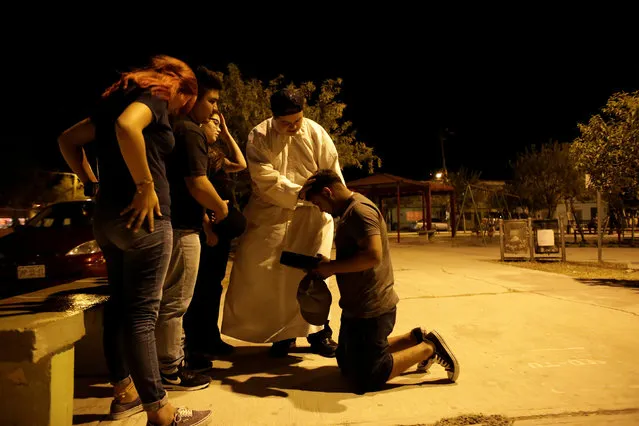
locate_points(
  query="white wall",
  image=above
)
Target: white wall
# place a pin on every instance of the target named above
(585, 209)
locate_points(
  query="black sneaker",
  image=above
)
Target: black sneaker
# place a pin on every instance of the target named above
(184, 380)
(281, 349)
(322, 342)
(443, 355)
(324, 346)
(185, 417)
(122, 410)
(420, 335)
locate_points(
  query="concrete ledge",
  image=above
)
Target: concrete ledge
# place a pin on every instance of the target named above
(39, 393)
(30, 339)
(38, 334)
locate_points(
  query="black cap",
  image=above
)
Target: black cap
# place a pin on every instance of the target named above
(314, 299)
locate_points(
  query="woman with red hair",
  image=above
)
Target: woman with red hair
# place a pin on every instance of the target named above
(133, 137)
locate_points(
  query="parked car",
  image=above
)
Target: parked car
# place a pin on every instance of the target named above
(57, 243)
(437, 224)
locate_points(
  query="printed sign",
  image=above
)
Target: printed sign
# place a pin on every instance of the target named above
(545, 237)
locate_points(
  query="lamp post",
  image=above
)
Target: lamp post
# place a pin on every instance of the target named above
(441, 142)
(442, 137)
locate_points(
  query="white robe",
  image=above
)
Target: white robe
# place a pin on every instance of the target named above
(261, 304)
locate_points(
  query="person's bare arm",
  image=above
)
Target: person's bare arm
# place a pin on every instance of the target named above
(128, 130)
(239, 162)
(368, 256)
(71, 142)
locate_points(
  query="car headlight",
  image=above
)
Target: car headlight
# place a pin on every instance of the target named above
(90, 247)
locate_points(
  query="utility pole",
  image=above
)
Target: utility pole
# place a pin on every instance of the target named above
(441, 143)
(599, 230)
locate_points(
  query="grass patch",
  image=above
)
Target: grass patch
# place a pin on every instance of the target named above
(582, 270)
(475, 419)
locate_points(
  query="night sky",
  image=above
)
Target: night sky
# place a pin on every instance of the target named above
(496, 89)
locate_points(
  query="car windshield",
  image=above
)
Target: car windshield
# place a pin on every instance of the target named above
(63, 215)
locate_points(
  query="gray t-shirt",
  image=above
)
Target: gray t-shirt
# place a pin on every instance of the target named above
(368, 293)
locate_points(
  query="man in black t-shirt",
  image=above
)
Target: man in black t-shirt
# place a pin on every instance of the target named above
(365, 354)
(191, 193)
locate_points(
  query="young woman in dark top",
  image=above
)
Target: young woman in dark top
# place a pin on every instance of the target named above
(130, 126)
(203, 340)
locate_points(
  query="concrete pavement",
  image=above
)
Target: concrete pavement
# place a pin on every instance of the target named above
(539, 347)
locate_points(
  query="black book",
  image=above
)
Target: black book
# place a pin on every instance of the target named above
(299, 261)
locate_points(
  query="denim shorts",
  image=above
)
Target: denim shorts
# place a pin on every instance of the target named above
(362, 352)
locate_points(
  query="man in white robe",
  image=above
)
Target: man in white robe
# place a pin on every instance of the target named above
(261, 304)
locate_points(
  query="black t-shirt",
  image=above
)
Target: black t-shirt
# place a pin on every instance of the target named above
(223, 184)
(117, 187)
(189, 159)
(235, 223)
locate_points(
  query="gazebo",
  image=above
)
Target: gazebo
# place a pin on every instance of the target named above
(385, 185)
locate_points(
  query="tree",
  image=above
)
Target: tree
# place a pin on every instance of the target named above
(608, 147)
(460, 181)
(543, 178)
(607, 150)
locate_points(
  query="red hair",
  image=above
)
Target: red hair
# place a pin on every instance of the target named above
(165, 76)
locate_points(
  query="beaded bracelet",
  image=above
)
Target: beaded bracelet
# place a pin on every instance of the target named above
(147, 181)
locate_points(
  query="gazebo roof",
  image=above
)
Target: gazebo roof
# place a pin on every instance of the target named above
(384, 183)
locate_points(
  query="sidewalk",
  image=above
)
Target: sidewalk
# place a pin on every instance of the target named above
(472, 245)
(537, 347)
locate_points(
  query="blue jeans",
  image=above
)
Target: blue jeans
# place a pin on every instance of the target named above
(362, 353)
(176, 297)
(136, 267)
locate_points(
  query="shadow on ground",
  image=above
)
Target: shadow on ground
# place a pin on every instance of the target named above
(92, 387)
(285, 377)
(610, 282)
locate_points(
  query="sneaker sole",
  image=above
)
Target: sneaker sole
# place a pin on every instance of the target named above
(325, 355)
(169, 386)
(452, 376)
(127, 413)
